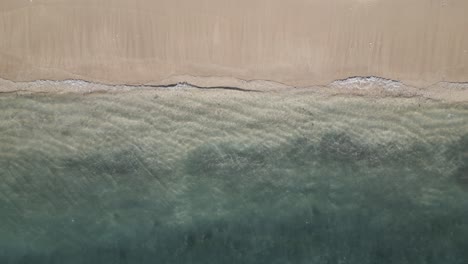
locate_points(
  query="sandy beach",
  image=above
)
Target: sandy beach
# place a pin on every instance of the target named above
(298, 43)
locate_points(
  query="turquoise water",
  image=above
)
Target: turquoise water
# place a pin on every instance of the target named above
(195, 177)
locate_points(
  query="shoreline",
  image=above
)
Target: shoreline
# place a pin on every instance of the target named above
(369, 86)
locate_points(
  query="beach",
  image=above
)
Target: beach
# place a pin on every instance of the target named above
(216, 131)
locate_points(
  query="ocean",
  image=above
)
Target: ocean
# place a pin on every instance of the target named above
(192, 175)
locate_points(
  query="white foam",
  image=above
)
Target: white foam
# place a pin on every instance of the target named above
(366, 83)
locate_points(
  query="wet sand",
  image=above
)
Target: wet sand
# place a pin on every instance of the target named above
(369, 87)
(297, 43)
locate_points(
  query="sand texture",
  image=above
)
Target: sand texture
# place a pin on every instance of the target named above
(294, 42)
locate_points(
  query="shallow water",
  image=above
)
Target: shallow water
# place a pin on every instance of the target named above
(191, 176)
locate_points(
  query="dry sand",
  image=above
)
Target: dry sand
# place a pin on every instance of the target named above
(294, 42)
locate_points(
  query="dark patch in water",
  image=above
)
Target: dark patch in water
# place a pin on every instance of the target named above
(333, 200)
(341, 148)
(459, 155)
